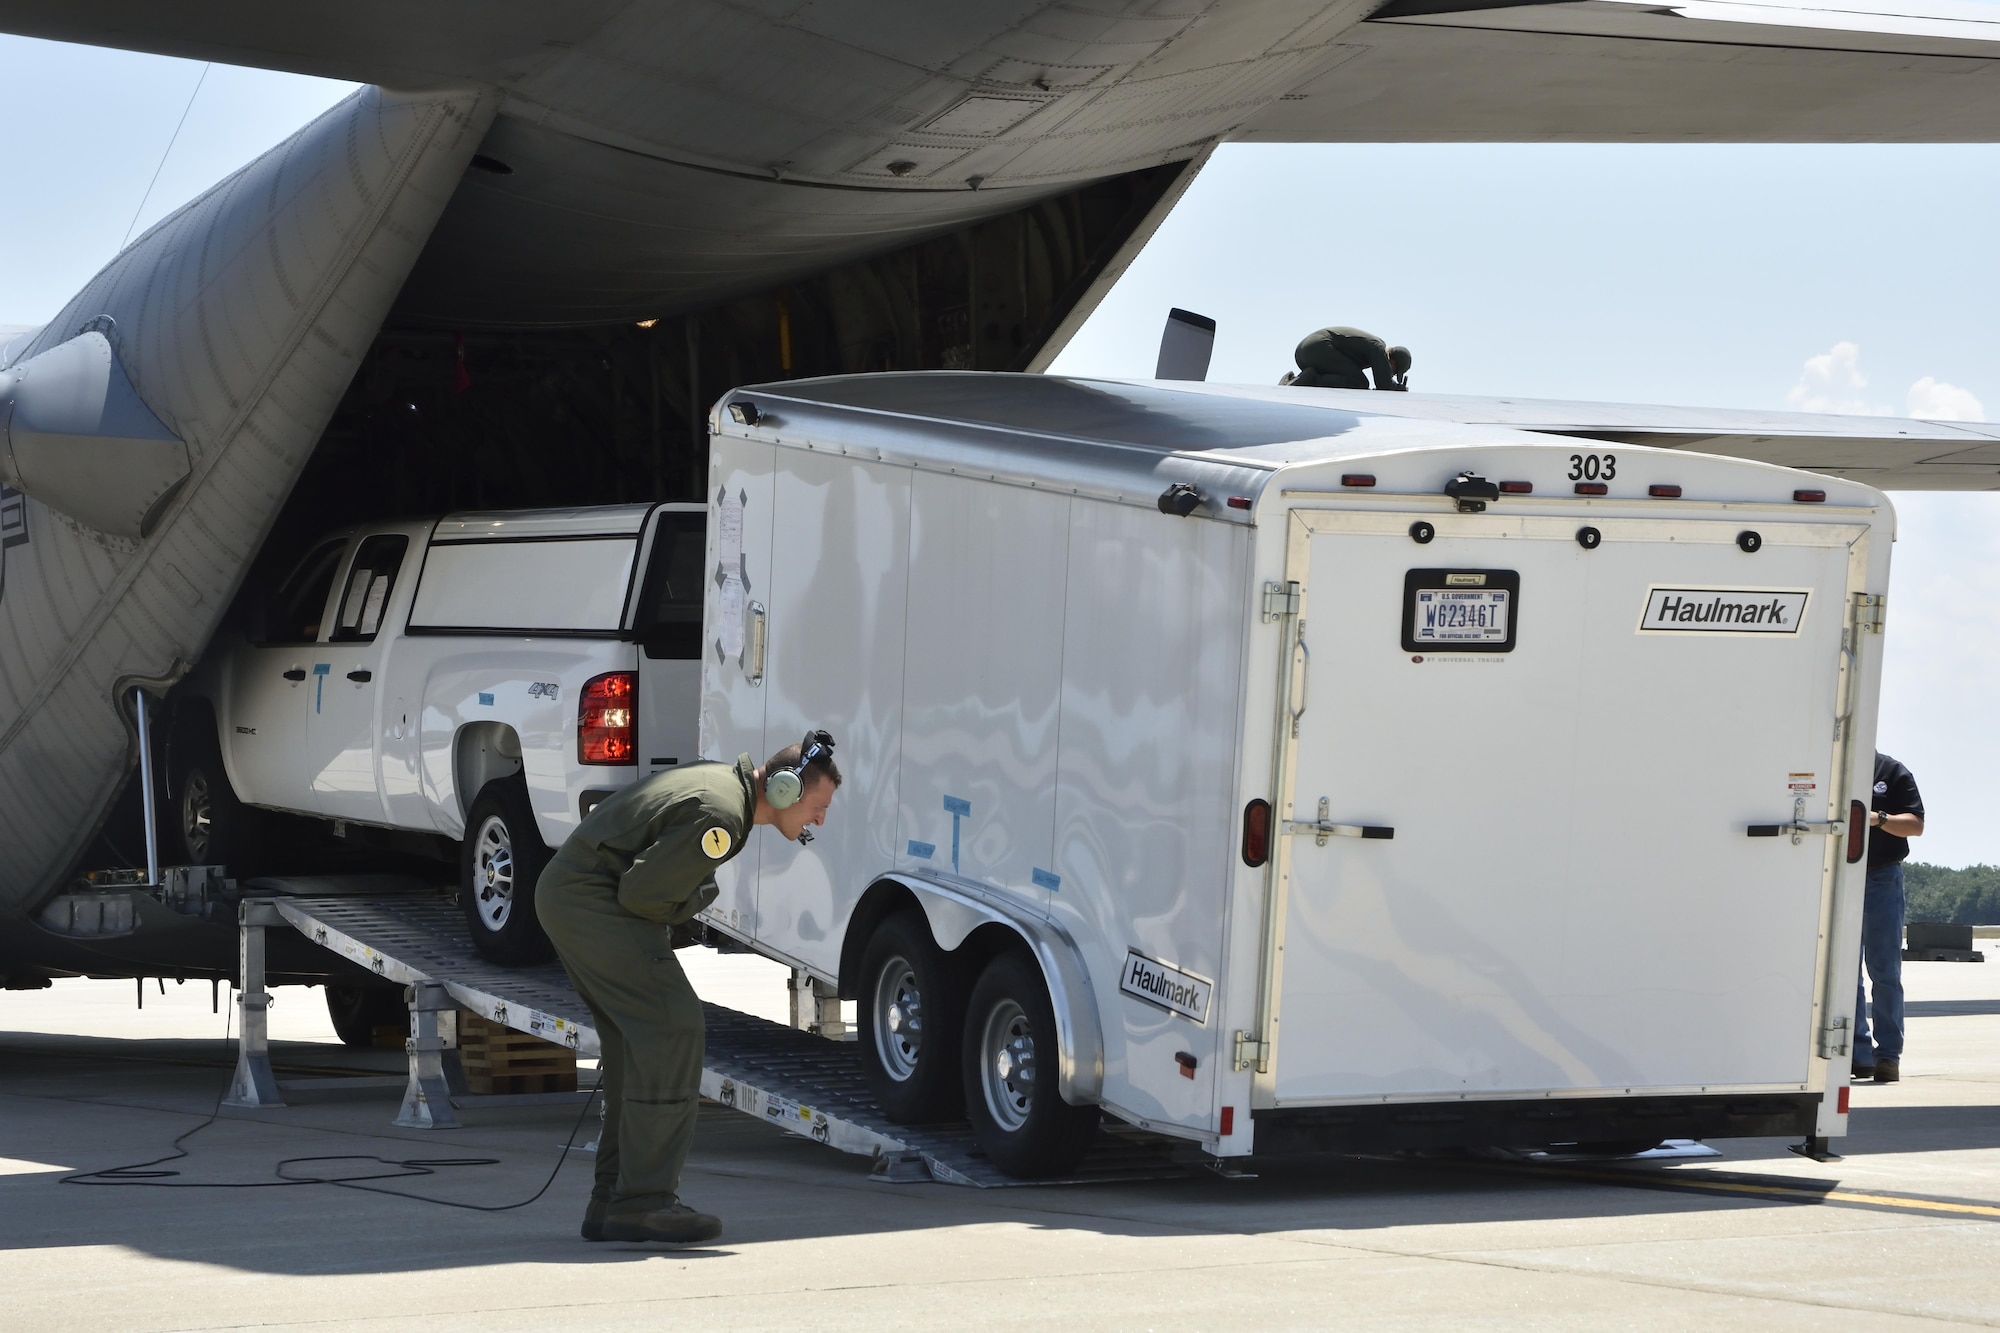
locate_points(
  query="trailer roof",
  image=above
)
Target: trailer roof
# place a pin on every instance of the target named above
(1123, 439)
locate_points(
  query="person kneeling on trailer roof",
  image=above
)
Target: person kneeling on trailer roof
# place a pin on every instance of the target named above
(1334, 358)
(639, 865)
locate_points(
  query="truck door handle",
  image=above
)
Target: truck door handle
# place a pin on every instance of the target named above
(361, 673)
(296, 673)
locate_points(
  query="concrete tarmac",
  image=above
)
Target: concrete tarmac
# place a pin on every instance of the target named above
(1904, 1233)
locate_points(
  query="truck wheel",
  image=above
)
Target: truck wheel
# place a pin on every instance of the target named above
(502, 858)
(205, 824)
(912, 1016)
(357, 1011)
(1018, 1115)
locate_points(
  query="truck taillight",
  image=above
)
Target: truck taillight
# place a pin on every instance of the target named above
(1857, 831)
(1256, 834)
(606, 720)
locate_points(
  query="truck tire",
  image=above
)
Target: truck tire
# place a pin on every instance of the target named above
(499, 863)
(205, 823)
(912, 1018)
(357, 1011)
(1011, 1096)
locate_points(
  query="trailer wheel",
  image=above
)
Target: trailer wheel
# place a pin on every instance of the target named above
(1011, 1096)
(499, 863)
(357, 1011)
(912, 1016)
(205, 822)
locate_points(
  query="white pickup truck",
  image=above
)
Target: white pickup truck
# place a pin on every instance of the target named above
(484, 677)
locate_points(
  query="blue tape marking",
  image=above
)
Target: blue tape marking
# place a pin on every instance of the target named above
(960, 808)
(1044, 880)
(486, 699)
(320, 670)
(923, 851)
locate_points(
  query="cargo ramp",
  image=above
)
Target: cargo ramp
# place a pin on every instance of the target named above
(408, 932)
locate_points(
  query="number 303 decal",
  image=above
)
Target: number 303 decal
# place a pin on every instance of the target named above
(1593, 467)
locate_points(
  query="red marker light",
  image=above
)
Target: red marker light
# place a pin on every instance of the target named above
(1810, 497)
(1664, 492)
(1256, 833)
(1592, 488)
(1357, 479)
(1517, 487)
(1857, 831)
(1239, 502)
(1840, 1102)
(1228, 1125)
(606, 719)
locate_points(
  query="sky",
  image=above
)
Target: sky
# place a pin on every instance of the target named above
(1854, 278)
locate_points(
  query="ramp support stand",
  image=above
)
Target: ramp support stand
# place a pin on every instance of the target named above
(816, 1006)
(427, 1099)
(255, 1084)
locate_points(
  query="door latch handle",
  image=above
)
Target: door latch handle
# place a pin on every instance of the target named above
(1799, 826)
(296, 673)
(1324, 828)
(361, 674)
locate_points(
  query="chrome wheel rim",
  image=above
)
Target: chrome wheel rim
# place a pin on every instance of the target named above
(899, 1019)
(197, 816)
(493, 872)
(1007, 1065)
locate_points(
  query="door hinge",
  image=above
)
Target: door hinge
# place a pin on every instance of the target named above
(1280, 600)
(1252, 1054)
(1833, 1041)
(1870, 611)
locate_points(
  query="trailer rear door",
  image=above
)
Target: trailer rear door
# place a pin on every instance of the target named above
(1570, 745)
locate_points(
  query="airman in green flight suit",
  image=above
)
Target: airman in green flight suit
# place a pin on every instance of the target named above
(639, 865)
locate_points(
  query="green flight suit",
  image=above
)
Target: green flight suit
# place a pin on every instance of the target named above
(638, 865)
(1334, 359)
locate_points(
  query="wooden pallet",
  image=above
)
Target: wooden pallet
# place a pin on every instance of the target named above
(500, 1060)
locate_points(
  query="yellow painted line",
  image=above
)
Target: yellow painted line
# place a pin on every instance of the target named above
(1672, 1181)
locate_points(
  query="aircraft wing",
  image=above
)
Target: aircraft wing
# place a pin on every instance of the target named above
(1612, 71)
(1887, 452)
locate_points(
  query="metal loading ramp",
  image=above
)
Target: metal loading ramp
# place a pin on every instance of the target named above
(804, 1083)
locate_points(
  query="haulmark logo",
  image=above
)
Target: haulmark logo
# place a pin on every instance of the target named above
(1170, 988)
(13, 528)
(1723, 611)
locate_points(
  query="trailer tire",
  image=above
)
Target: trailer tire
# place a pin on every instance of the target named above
(499, 862)
(357, 1011)
(206, 824)
(912, 1017)
(1012, 1097)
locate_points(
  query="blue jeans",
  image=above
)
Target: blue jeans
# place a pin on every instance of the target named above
(1882, 959)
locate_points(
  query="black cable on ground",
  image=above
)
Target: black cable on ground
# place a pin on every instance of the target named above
(143, 1174)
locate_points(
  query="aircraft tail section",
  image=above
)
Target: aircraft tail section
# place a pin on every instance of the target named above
(158, 423)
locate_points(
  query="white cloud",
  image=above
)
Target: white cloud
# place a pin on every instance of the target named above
(1833, 382)
(1934, 400)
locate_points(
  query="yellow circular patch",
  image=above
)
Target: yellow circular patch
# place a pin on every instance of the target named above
(716, 843)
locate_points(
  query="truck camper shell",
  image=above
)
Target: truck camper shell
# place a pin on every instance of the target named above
(1351, 781)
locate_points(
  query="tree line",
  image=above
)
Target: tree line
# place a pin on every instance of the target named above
(1967, 897)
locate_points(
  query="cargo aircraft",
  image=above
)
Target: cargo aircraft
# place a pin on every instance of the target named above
(516, 265)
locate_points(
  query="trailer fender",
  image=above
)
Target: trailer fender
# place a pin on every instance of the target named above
(955, 910)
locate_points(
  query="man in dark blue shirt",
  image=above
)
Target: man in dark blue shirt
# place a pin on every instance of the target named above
(1896, 815)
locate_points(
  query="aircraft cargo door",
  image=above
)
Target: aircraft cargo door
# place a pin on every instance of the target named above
(1570, 744)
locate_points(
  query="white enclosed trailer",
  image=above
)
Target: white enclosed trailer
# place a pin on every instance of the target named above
(1283, 776)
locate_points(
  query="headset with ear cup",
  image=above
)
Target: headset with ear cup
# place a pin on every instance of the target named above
(783, 788)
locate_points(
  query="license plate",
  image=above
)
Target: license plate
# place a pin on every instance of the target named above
(1460, 616)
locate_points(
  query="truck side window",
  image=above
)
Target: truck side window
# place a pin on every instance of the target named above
(669, 620)
(369, 583)
(294, 611)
